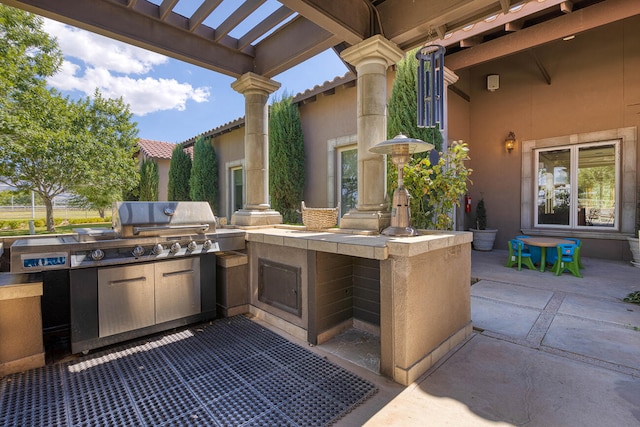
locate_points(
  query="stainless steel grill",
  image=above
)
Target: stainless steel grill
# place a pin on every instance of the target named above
(155, 269)
(141, 232)
(132, 219)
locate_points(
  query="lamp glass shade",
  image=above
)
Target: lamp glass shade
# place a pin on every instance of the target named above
(510, 142)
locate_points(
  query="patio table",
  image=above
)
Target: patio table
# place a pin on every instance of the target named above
(543, 243)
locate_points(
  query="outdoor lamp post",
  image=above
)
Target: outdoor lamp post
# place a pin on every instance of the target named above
(400, 148)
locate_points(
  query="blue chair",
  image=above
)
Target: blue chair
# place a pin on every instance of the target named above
(533, 250)
(567, 259)
(517, 255)
(578, 243)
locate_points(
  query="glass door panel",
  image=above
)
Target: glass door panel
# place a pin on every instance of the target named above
(554, 188)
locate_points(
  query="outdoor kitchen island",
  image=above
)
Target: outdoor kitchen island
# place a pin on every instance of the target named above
(414, 292)
(154, 270)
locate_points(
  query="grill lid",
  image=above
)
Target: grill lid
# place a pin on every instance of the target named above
(155, 218)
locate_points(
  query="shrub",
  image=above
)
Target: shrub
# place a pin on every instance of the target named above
(179, 175)
(149, 180)
(286, 159)
(15, 224)
(204, 173)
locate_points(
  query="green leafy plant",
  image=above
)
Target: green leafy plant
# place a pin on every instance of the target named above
(435, 189)
(481, 215)
(633, 297)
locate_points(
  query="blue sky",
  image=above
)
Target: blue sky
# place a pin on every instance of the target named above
(171, 100)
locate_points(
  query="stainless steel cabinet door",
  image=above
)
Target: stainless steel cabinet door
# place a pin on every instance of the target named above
(177, 288)
(125, 298)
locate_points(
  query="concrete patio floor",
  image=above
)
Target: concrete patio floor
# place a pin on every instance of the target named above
(547, 351)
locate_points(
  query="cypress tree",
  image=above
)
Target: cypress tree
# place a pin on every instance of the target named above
(403, 104)
(149, 179)
(286, 159)
(204, 173)
(179, 174)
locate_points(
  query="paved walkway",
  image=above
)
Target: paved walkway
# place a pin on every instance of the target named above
(548, 351)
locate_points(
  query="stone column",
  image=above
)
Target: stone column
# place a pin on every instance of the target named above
(372, 58)
(256, 90)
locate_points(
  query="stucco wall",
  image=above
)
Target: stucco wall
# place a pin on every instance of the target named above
(595, 86)
(229, 149)
(328, 117)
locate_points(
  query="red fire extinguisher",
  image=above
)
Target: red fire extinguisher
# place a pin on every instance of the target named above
(467, 203)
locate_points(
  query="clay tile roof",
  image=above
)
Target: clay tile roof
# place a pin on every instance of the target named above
(156, 149)
(347, 79)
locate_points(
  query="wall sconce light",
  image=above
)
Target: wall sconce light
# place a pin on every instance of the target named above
(510, 142)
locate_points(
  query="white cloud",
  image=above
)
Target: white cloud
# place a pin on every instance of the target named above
(103, 52)
(117, 70)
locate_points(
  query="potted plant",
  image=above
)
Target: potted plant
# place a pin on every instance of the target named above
(483, 237)
(634, 242)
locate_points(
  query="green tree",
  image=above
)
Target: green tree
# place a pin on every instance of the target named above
(108, 129)
(148, 180)
(49, 144)
(286, 158)
(179, 174)
(17, 198)
(435, 189)
(403, 105)
(27, 56)
(204, 173)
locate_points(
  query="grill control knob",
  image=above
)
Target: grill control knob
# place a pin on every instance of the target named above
(138, 251)
(175, 247)
(192, 246)
(206, 245)
(157, 249)
(97, 254)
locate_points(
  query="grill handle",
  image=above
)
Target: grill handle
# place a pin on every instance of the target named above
(200, 227)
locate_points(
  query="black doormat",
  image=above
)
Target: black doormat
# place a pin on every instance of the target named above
(232, 372)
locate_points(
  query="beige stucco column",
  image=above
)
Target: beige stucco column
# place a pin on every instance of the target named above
(371, 58)
(256, 90)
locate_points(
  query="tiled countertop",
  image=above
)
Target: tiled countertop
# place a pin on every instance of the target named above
(355, 244)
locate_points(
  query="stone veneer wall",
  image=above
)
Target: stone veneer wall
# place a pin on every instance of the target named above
(366, 290)
(333, 290)
(344, 288)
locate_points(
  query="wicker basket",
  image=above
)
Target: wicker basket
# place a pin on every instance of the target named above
(319, 218)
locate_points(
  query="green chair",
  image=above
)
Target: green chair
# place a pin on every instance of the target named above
(567, 260)
(533, 250)
(517, 255)
(578, 243)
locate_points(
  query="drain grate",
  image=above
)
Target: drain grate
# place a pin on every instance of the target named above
(230, 372)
